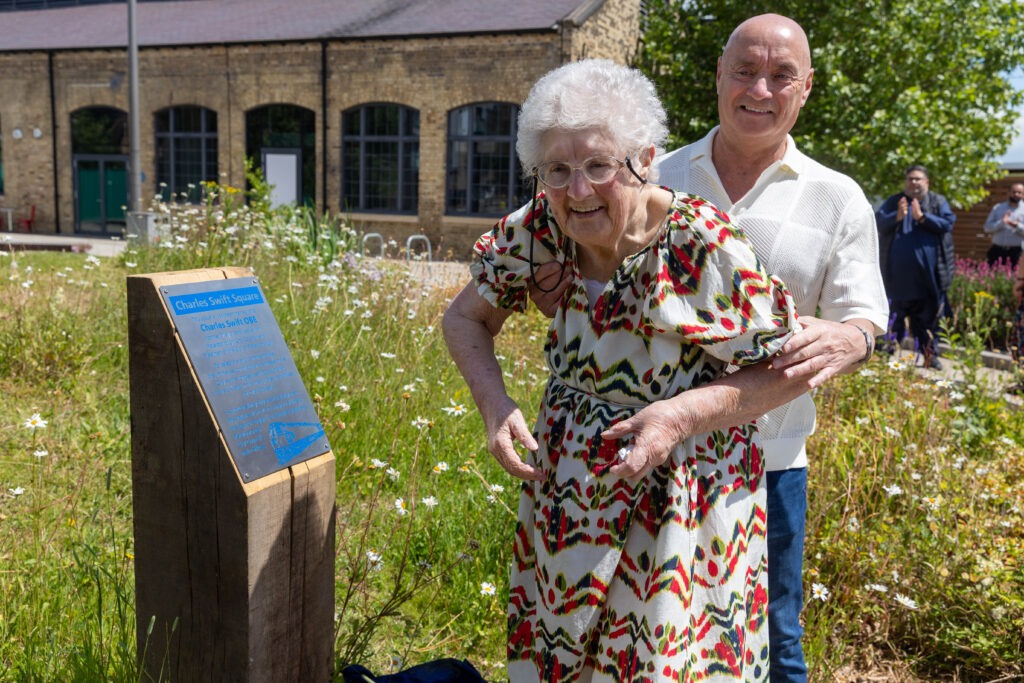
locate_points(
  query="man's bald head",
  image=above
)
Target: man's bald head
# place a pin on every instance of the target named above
(764, 78)
(779, 28)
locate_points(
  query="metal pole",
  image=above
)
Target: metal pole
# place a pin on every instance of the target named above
(134, 164)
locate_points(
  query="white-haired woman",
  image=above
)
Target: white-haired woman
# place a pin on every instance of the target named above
(639, 551)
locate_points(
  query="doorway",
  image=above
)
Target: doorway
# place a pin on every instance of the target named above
(99, 160)
(101, 194)
(281, 138)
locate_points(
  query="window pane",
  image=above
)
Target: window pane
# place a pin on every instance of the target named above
(350, 179)
(458, 177)
(483, 176)
(412, 123)
(491, 177)
(99, 130)
(493, 119)
(381, 175)
(380, 158)
(185, 155)
(410, 176)
(458, 122)
(187, 120)
(210, 172)
(382, 120)
(163, 167)
(162, 121)
(350, 122)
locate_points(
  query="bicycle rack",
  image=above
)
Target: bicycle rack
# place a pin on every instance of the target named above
(373, 235)
(414, 239)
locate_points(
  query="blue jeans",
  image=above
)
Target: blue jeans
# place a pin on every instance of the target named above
(787, 512)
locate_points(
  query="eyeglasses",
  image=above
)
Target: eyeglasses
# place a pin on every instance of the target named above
(558, 174)
(599, 170)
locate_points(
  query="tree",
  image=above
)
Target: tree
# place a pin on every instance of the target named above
(896, 82)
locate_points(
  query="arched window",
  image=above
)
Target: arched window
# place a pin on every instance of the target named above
(380, 158)
(186, 151)
(99, 130)
(483, 171)
(285, 133)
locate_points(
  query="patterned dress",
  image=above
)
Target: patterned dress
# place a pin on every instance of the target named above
(662, 579)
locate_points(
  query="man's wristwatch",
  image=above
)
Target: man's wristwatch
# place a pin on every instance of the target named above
(869, 345)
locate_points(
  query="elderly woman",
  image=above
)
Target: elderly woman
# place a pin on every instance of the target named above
(639, 551)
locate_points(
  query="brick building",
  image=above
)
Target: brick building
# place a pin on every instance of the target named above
(398, 114)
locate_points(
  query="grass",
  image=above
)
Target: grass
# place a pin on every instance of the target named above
(914, 555)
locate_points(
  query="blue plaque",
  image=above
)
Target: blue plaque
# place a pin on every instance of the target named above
(246, 373)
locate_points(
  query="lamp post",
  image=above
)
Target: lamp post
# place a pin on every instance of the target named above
(134, 165)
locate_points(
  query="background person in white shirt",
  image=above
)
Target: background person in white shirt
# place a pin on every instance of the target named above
(1005, 223)
(814, 228)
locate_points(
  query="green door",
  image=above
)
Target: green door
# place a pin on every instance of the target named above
(101, 194)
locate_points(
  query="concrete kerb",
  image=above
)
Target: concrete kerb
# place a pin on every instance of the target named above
(96, 246)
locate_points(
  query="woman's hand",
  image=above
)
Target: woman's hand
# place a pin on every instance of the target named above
(506, 428)
(655, 431)
(470, 325)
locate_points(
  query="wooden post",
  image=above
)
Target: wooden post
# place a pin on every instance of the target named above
(234, 579)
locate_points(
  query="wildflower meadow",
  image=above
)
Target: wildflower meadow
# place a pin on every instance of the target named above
(915, 551)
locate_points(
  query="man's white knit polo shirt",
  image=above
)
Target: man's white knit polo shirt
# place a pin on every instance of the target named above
(812, 227)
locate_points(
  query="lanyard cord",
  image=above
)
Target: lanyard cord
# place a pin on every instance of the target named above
(533, 238)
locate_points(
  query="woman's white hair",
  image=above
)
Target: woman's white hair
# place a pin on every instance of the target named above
(592, 94)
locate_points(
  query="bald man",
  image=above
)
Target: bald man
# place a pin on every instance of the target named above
(812, 227)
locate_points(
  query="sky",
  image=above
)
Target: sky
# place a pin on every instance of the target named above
(1015, 154)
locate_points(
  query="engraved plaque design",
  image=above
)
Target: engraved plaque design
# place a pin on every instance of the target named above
(246, 373)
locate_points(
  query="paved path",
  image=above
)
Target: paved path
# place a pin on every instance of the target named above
(996, 373)
(97, 246)
(442, 274)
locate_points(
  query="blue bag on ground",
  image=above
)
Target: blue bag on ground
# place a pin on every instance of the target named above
(439, 671)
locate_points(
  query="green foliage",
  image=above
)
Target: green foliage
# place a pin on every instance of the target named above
(914, 526)
(425, 515)
(896, 83)
(982, 303)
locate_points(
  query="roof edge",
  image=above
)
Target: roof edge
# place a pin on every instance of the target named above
(288, 41)
(578, 16)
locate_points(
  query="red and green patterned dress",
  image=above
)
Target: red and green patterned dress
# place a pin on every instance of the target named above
(664, 579)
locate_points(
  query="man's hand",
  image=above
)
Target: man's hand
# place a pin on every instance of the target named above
(823, 349)
(901, 208)
(1010, 223)
(915, 210)
(549, 285)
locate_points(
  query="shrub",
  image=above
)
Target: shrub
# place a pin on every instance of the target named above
(983, 295)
